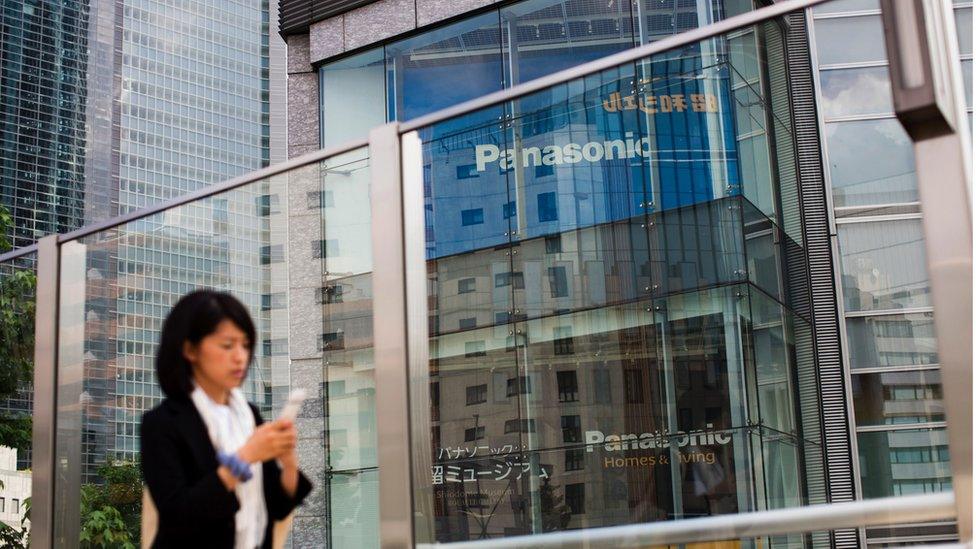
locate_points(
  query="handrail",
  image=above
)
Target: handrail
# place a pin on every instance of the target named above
(814, 518)
(688, 37)
(19, 252)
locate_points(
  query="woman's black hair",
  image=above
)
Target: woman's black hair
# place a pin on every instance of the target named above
(194, 317)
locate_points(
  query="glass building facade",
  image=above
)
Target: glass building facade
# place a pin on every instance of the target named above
(898, 418)
(614, 335)
(42, 108)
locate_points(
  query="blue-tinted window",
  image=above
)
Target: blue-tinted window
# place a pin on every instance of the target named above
(467, 171)
(547, 207)
(508, 210)
(472, 217)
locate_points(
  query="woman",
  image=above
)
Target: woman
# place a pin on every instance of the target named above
(219, 475)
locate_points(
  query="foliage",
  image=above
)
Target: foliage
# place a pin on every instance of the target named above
(111, 511)
(13, 538)
(17, 305)
(555, 513)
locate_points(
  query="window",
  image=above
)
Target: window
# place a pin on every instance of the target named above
(558, 284)
(333, 341)
(472, 217)
(474, 433)
(515, 279)
(568, 386)
(572, 432)
(634, 386)
(274, 253)
(320, 199)
(15, 506)
(518, 386)
(276, 300)
(467, 171)
(275, 347)
(601, 386)
(520, 426)
(3, 505)
(325, 248)
(547, 207)
(467, 323)
(892, 340)
(835, 43)
(883, 265)
(267, 204)
(575, 498)
(466, 285)
(330, 294)
(574, 459)
(554, 244)
(858, 91)
(562, 340)
(871, 163)
(352, 94)
(476, 394)
(544, 170)
(474, 349)
(508, 210)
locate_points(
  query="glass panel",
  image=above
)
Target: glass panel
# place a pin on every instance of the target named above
(18, 294)
(895, 398)
(849, 40)
(891, 340)
(871, 162)
(964, 29)
(838, 6)
(444, 67)
(353, 97)
(354, 518)
(896, 463)
(967, 81)
(295, 249)
(883, 265)
(546, 36)
(850, 92)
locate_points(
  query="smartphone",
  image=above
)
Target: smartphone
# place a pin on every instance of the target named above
(294, 405)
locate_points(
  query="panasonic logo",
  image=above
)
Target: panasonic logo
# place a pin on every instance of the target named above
(554, 155)
(657, 439)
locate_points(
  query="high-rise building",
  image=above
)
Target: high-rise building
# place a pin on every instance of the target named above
(551, 353)
(109, 107)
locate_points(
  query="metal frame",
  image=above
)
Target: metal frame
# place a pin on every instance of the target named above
(45, 411)
(390, 341)
(875, 512)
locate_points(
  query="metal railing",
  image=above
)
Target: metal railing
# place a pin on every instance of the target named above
(815, 518)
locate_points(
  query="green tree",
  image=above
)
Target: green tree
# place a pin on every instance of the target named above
(111, 511)
(17, 290)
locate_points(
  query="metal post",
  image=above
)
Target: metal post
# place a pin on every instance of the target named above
(927, 94)
(45, 392)
(390, 339)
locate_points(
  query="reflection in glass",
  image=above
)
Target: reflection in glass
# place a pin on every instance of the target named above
(964, 29)
(896, 463)
(891, 340)
(967, 81)
(352, 97)
(850, 92)
(871, 162)
(849, 40)
(895, 398)
(839, 6)
(883, 265)
(444, 67)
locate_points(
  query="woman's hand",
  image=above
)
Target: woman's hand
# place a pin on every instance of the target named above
(270, 440)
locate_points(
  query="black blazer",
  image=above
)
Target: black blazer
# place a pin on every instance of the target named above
(179, 464)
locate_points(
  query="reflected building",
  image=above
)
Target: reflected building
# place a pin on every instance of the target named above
(632, 300)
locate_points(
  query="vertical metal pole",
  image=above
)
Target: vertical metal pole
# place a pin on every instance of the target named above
(418, 337)
(45, 392)
(926, 84)
(390, 339)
